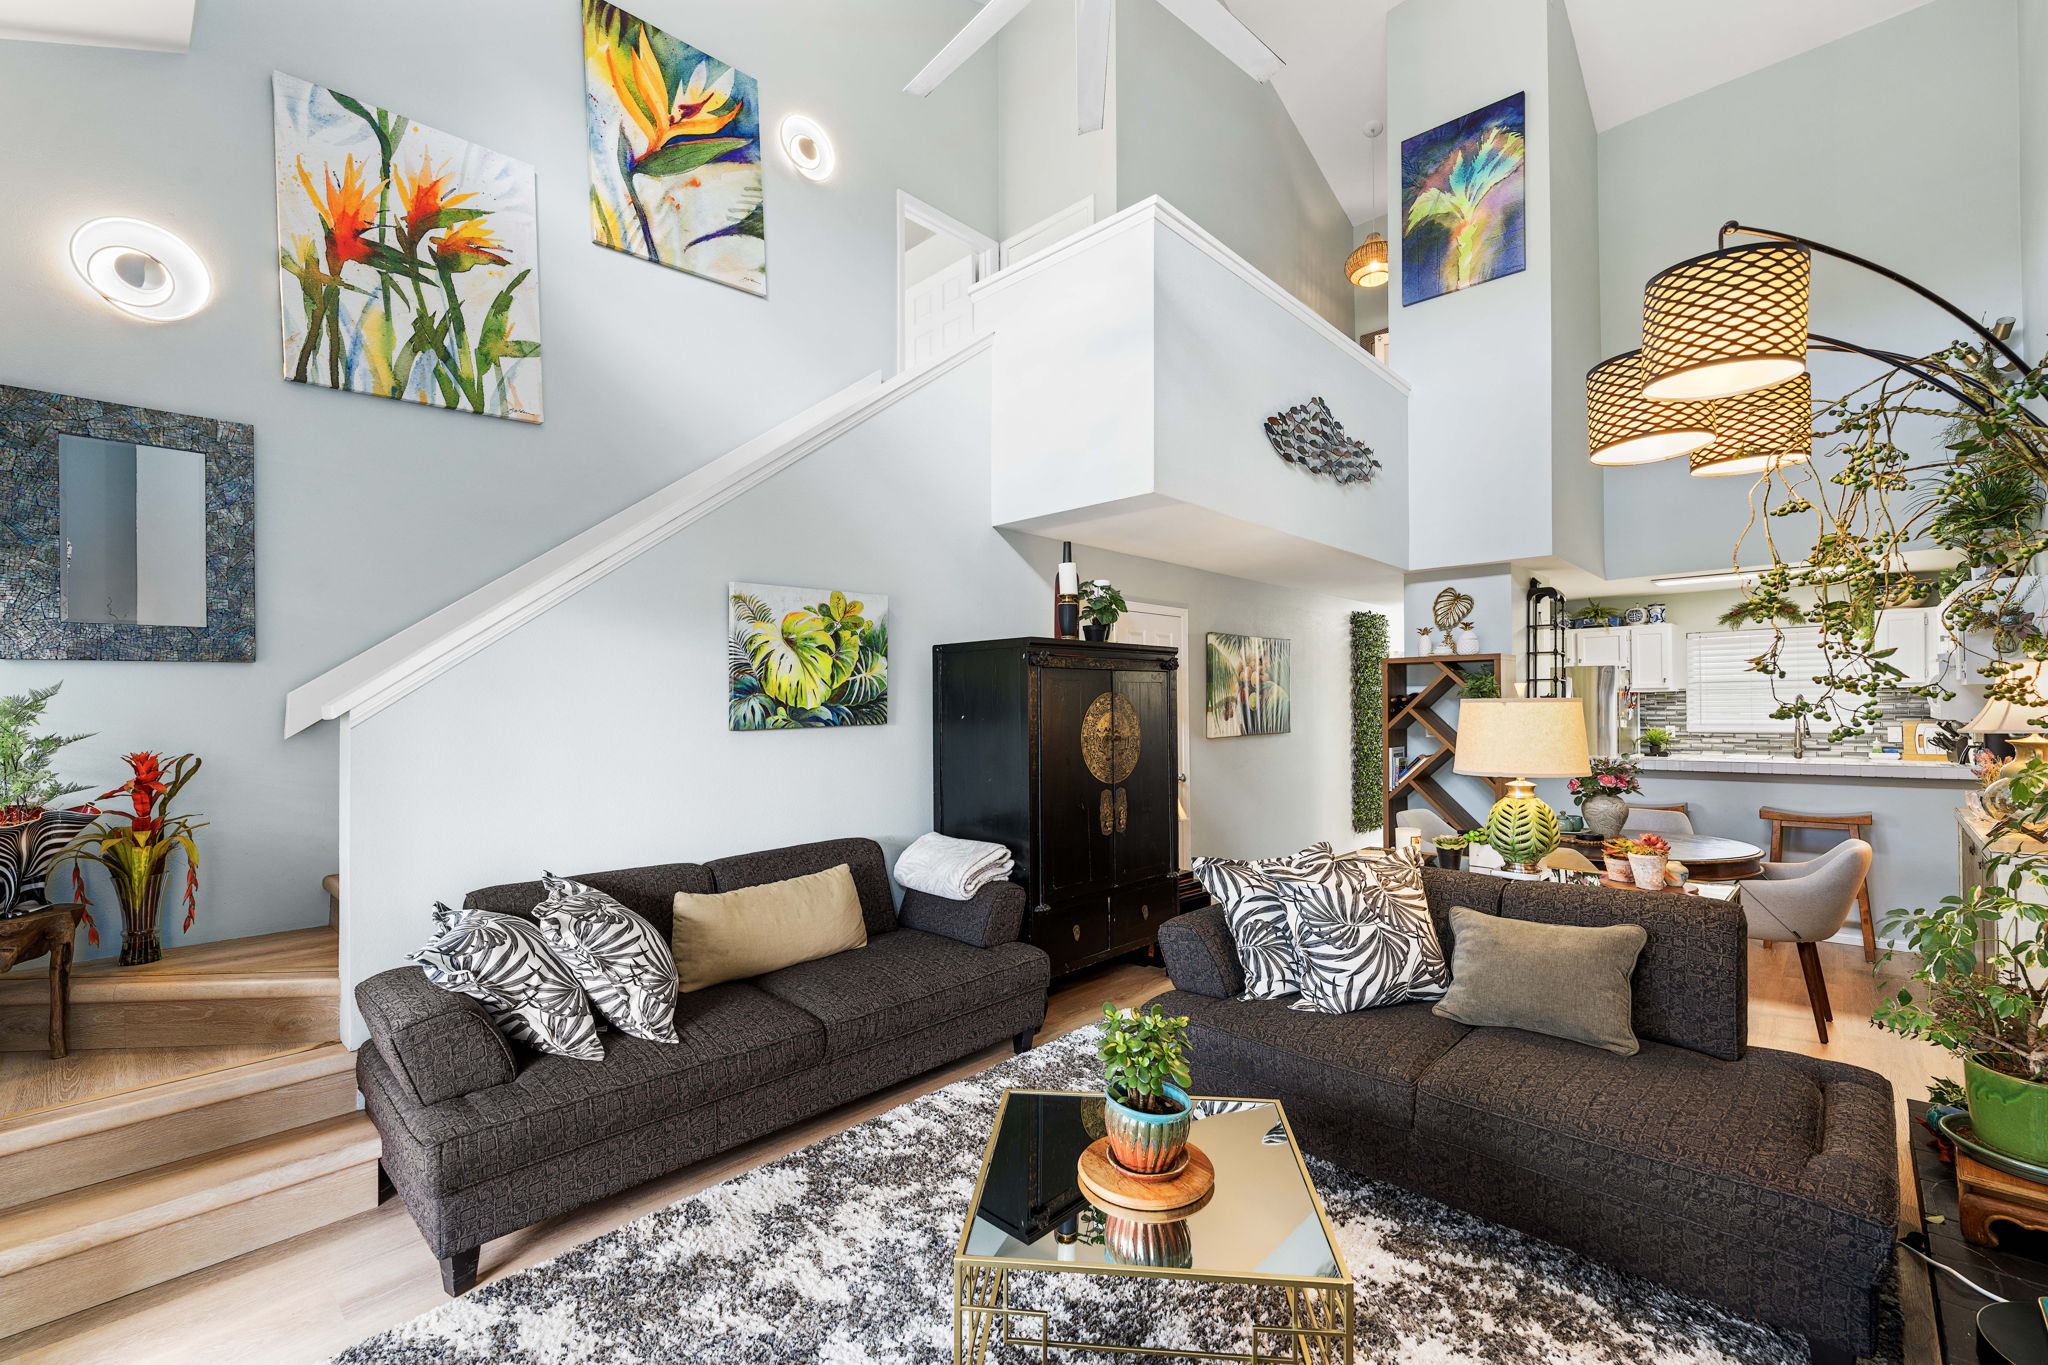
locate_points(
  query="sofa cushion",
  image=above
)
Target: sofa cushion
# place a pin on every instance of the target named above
(904, 981)
(863, 857)
(734, 1038)
(503, 961)
(649, 892)
(623, 965)
(1363, 932)
(1365, 1063)
(740, 934)
(1785, 1152)
(1564, 980)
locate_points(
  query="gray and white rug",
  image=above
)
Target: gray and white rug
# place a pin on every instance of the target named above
(840, 1254)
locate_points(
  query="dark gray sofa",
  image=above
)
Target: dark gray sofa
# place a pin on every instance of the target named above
(483, 1137)
(1763, 1181)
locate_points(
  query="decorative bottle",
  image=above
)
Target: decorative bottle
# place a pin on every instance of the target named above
(1066, 602)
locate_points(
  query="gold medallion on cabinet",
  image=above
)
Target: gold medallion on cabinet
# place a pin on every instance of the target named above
(1110, 738)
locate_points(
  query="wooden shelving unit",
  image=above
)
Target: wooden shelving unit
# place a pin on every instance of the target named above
(1445, 682)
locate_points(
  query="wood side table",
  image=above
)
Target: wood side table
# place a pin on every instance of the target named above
(1984, 1194)
(27, 937)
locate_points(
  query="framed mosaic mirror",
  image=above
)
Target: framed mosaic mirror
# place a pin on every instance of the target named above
(125, 533)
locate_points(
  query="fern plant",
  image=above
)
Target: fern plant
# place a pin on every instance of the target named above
(28, 785)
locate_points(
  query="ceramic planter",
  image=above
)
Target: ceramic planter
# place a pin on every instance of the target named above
(1647, 870)
(1604, 815)
(2008, 1113)
(33, 847)
(1618, 870)
(1148, 1145)
(1468, 640)
(1449, 858)
(1092, 631)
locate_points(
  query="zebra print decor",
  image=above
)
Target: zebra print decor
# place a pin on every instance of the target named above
(1257, 915)
(617, 956)
(1362, 927)
(10, 870)
(37, 845)
(503, 961)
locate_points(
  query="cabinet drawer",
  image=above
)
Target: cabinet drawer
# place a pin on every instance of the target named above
(1136, 912)
(1071, 934)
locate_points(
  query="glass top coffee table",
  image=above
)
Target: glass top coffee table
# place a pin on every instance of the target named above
(1262, 1226)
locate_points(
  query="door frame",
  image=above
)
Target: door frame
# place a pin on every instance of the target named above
(911, 209)
(1181, 703)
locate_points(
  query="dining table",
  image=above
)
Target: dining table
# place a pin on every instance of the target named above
(1707, 857)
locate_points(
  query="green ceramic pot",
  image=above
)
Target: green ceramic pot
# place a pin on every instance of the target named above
(2008, 1113)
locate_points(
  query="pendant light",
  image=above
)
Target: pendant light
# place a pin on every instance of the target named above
(1757, 431)
(1367, 266)
(1623, 427)
(1726, 323)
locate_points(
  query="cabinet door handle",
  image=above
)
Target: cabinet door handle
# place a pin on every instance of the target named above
(1145, 912)
(1105, 813)
(1077, 933)
(1123, 810)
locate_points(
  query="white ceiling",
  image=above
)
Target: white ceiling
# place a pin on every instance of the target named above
(1638, 55)
(156, 25)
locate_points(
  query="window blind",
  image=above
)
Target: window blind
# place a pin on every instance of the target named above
(1723, 694)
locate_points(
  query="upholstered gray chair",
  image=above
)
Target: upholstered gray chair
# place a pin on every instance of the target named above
(1431, 825)
(1804, 903)
(1657, 820)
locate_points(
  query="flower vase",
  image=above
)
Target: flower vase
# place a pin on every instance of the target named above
(1605, 815)
(1647, 870)
(142, 899)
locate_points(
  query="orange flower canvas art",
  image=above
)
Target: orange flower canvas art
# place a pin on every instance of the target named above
(406, 258)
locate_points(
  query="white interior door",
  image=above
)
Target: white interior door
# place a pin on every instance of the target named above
(1149, 625)
(936, 315)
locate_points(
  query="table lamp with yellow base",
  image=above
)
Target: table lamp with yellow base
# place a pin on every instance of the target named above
(1521, 738)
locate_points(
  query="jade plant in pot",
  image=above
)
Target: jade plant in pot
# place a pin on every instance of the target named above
(1144, 1083)
(1980, 985)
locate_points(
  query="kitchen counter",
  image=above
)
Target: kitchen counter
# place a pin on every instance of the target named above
(1857, 769)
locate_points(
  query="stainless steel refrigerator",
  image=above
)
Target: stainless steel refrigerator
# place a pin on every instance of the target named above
(1610, 711)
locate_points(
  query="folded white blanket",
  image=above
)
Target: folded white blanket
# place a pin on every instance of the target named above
(954, 868)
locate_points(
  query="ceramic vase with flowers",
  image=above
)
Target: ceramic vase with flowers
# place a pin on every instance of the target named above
(1600, 795)
(34, 832)
(1147, 1109)
(137, 852)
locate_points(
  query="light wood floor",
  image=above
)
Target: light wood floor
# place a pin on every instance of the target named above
(305, 1299)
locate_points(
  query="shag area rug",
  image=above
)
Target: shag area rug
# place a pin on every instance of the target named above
(841, 1254)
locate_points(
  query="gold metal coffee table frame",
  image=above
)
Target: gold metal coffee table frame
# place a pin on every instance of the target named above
(1317, 1330)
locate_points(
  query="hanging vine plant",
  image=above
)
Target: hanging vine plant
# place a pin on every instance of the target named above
(1982, 496)
(1368, 721)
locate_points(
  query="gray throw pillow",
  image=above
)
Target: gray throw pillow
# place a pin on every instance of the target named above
(1565, 980)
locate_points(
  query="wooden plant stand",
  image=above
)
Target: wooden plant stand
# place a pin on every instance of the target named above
(1985, 1194)
(27, 937)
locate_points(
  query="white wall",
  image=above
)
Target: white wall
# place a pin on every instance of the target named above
(1904, 142)
(2033, 154)
(596, 736)
(1578, 508)
(373, 513)
(1043, 164)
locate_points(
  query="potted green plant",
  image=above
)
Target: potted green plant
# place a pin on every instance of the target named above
(1655, 741)
(1981, 979)
(1101, 605)
(1144, 1085)
(1592, 614)
(33, 832)
(1450, 850)
(1480, 685)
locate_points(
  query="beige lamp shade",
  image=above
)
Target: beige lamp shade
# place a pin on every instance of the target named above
(1522, 737)
(2010, 717)
(1727, 322)
(1367, 266)
(1757, 431)
(1623, 427)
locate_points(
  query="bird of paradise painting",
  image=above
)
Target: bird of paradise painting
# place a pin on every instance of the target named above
(675, 152)
(1462, 192)
(406, 258)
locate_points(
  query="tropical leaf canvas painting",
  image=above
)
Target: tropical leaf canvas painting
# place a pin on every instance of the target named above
(675, 152)
(1462, 199)
(1251, 686)
(806, 658)
(407, 258)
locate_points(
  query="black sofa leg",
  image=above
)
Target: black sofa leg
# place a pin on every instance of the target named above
(1829, 1353)
(1022, 1042)
(385, 1189)
(458, 1272)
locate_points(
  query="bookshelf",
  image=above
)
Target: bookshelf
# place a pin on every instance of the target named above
(1431, 685)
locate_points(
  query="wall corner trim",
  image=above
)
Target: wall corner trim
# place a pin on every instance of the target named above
(380, 675)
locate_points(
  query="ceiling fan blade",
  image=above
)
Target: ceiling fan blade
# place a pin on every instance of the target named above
(965, 44)
(1091, 62)
(1226, 33)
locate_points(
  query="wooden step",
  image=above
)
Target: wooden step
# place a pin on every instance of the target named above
(278, 991)
(70, 1251)
(69, 1146)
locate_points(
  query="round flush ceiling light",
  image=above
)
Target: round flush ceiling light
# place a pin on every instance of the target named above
(140, 268)
(807, 147)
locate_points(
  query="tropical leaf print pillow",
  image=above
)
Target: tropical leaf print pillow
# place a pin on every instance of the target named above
(503, 961)
(617, 956)
(1258, 918)
(1363, 934)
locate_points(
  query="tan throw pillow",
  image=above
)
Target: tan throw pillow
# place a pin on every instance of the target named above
(1566, 980)
(733, 935)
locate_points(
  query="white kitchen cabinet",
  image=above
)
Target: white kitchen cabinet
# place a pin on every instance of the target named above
(1909, 632)
(1655, 663)
(1606, 647)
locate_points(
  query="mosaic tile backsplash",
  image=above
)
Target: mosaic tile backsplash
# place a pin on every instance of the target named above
(1667, 709)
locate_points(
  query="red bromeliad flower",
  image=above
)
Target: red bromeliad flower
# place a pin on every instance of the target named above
(143, 790)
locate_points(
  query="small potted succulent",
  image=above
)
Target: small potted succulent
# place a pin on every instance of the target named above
(1646, 859)
(1655, 741)
(1101, 606)
(1614, 853)
(1144, 1085)
(1450, 850)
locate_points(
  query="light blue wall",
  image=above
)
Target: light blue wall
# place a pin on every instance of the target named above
(374, 513)
(1043, 165)
(1578, 507)
(1904, 142)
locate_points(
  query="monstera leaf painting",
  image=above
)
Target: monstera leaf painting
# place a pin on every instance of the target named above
(806, 658)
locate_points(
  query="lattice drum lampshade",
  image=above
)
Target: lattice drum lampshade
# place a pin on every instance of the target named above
(1521, 738)
(1367, 266)
(1623, 427)
(1757, 431)
(1727, 322)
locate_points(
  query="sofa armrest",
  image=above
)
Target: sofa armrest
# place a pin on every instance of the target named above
(995, 915)
(1199, 954)
(439, 1044)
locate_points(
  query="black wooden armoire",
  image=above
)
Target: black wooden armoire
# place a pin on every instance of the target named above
(1065, 752)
